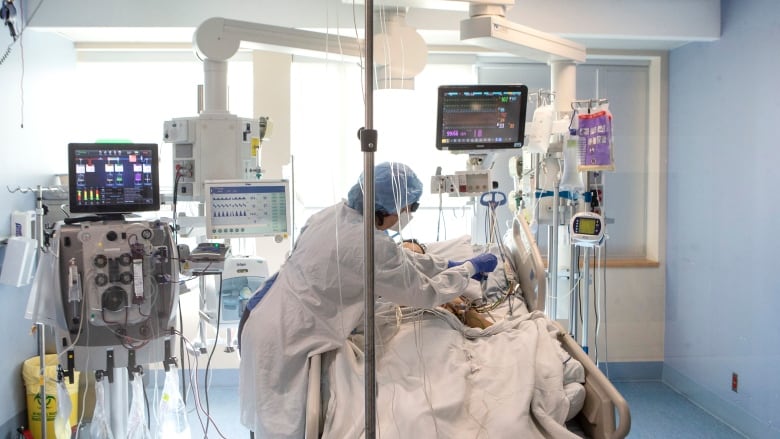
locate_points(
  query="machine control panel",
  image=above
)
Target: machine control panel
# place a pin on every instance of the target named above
(119, 281)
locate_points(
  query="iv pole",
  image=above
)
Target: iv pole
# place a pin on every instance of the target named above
(39, 327)
(368, 138)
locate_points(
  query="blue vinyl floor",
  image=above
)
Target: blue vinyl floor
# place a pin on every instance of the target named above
(657, 411)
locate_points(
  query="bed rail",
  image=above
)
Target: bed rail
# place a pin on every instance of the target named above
(597, 417)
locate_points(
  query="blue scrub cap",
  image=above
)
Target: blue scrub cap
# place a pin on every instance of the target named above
(396, 187)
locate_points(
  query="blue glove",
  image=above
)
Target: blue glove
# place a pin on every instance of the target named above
(451, 264)
(484, 263)
(477, 276)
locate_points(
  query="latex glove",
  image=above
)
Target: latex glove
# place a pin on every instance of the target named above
(451, 264)
(484, 263)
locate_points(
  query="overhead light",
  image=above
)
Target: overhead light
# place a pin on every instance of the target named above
(400, 53)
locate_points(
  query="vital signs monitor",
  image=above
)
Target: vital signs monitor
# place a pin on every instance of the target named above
(244, 209)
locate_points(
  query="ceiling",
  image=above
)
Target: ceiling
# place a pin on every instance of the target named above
(638, 25)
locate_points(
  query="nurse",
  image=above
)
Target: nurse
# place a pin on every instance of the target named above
(315, 300)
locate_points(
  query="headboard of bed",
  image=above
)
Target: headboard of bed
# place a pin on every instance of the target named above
(528, 262)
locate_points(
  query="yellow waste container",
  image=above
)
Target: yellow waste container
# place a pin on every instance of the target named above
(31, 373)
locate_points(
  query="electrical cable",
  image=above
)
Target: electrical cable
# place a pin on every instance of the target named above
(596, 311)
(21, 80)
(606, 332)
(6, 54)
(86, 390)
(190, 353)
(195, 393)
(181, 352)
(579, 304)
(440, 217)
(213, 349)
(362, 62)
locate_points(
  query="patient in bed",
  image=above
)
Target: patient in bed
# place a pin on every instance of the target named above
(460, 306)
(436, 377)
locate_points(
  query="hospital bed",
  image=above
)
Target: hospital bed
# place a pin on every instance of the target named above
(603, 414)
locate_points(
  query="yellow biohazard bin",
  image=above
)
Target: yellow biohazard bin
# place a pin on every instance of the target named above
(31, 372)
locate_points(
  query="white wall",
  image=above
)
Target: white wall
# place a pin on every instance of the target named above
(36, 93)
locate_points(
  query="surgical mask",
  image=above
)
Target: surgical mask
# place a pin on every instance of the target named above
(403, 220)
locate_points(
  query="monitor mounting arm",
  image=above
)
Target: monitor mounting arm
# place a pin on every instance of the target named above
(217, 39)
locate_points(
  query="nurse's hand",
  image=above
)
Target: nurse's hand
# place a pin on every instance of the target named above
(484, 263)
(451, 264)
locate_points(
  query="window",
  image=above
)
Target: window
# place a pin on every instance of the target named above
(325, 121)
(128, 96)
(626, 188)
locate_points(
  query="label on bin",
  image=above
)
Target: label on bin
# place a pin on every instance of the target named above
(51, 406)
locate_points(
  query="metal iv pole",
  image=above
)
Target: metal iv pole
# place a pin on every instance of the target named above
(40, 328)
(368, 138)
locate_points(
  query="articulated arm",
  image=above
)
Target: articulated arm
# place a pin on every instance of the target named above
(218, 39)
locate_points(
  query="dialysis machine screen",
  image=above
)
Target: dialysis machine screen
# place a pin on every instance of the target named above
(478, 117)
(113, 177)
(244, 209)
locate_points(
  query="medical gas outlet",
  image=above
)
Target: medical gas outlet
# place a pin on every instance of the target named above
(462, 183)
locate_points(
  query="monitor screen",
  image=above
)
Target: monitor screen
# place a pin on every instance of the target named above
(478, 117)
(244, 209)
(113, 177)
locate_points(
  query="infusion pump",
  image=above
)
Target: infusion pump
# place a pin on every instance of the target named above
(587, 229)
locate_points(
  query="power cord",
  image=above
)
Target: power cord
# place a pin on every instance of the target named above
(213, 349)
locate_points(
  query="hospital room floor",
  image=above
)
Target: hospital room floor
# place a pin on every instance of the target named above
(657, 411)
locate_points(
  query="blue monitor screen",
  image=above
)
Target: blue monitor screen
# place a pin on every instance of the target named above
(113, 177)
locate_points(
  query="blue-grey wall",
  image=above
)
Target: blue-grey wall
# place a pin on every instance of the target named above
(723, 288)
(35, 92)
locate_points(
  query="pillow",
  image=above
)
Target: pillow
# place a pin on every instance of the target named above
(457, 249)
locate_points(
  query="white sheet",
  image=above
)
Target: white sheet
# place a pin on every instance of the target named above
(439, 379)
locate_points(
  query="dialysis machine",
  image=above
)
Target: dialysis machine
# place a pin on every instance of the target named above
(108, 282)
(118, 277)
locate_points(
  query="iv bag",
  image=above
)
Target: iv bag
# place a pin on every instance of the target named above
(137, 427)
(541, 128)
(101, 424)
(172, 412)
(571, 179)
(62, 428)
(44, 304)
(595, 140)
